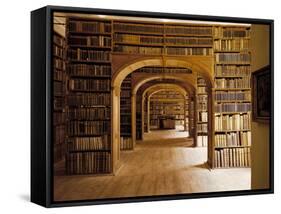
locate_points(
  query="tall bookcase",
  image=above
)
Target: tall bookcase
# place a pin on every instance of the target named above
(202, 112)
(89, 148)
(232, 97)
(126, 142)
(59, 90)
(139, 112)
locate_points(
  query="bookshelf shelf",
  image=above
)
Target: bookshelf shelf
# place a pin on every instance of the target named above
(88, 96)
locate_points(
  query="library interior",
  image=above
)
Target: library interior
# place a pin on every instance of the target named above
(151, 106)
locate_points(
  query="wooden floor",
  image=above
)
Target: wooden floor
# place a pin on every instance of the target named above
(157, 166)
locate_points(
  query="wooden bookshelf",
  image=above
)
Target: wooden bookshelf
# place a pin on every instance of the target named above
(89, 147)
(125, 114)
(59, 90)
(202, 113)
(232, 98)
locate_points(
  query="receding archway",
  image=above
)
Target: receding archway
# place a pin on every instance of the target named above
(195, 64)
(155, 91)
(163, 86)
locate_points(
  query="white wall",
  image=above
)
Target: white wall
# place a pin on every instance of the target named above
(15, 105)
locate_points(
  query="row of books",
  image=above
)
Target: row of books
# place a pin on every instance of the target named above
(59, 64)
(126, 85)
(126, 129)
(138, 49)
(59, 152)
(202, 127)
(202, 106)
(232, 44)
(163, 70)
(97, 99)
(89, 84)
(89, 26)
(160, 29)
(232, 107)
(232, 57)
(201, 81)
(202, 116)
(88, 162)
(58, 40)
(125, 93)
(188, 41)
(58, 118)
(167, 107)
(59, 103)
(233, 139)
(98, 41)
(141, 28)
(201, 89)
(125, 102)
(125, 108)
(189, 51)
(86, 128)
(88, 55)
(142, 39)
(233, 82)
(59, 88)
(202, 140)
(126, 143)
(89, 70)
(139, 39)
(59, 75)
(167, 96)
(88, 143)
(189, 30)
(232, 157)
(202, 98)
(125, 119)
(232, 122)
(176, 116)
(232, 70)
(232, 96)
(231, 32)
(58, 51)
(59, 134)
(92, 113)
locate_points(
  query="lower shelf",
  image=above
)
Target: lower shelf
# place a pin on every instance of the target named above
(88, 163)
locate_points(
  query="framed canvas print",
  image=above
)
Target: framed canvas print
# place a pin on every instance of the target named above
(137, 106)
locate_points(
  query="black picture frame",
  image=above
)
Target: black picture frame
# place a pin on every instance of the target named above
(261, 82)
(41, 102)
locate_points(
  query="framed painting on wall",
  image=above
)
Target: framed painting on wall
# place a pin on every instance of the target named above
(261, 82)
